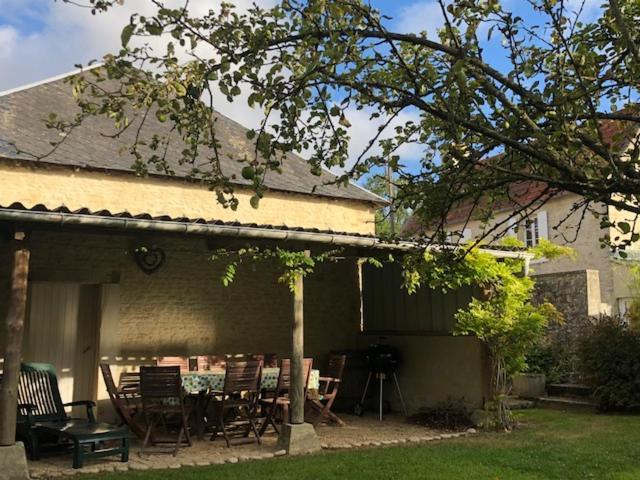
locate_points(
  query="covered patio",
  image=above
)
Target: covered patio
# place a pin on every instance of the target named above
(81, 295)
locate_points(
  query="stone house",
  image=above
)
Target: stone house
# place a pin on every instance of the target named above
(596, 281)
(88, 217)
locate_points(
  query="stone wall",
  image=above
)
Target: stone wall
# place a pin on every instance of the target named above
(119, 192)
(184, 308)
(576, 295)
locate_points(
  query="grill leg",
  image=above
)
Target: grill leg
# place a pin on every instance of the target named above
(404, 408)
(381, 380)
(366, 387)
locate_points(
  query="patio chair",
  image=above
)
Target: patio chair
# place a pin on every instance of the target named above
(211, 362)
(182, 362)
(42, 417)
(239, 394)
(129, 385)
(269, 360)
(279, 402)
(125, 398)
(328, 391)
(162, 401)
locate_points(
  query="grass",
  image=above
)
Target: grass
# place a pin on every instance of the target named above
(549, 445)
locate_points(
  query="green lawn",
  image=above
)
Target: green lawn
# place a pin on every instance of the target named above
(550, 445)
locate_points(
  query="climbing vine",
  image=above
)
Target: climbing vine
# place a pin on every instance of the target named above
(502, 315)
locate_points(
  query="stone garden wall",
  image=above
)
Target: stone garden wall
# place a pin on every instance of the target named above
(576, 295)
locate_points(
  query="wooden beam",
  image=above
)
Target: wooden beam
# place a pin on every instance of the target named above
(14, 329)
(297, 358)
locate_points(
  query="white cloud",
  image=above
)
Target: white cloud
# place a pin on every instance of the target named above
(53, 39)
(8, 40)
(425, 16)
(363, 130)
(41, 39)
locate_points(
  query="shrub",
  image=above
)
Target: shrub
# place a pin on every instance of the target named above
(610, 361)
(448, 415)
(553, 358)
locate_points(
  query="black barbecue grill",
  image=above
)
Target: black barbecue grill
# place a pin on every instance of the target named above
(382, 362)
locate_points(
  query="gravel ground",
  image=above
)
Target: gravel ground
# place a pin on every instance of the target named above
(358, 432)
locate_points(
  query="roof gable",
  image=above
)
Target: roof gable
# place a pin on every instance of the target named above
(22, 129)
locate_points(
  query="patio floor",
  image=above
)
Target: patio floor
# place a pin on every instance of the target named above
(359, 432)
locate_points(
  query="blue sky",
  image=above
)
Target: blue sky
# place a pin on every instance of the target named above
(43, 38)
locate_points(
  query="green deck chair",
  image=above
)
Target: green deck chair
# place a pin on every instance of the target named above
(42, 419)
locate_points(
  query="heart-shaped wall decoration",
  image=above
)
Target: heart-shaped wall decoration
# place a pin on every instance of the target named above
(149, 258)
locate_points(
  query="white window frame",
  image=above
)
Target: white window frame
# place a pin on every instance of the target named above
(536, 229)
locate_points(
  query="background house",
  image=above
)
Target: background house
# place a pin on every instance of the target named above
(597, 281)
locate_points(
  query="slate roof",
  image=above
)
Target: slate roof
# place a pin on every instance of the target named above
(22, 129)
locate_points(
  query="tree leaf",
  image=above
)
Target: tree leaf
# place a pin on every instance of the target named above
(125, 36)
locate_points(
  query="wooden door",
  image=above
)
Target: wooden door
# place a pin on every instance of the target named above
(62, 329)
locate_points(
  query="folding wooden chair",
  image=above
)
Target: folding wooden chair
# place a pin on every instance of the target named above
(240, 394)
(328, 391)
(163, 400)
(280, 401)
(125, 400)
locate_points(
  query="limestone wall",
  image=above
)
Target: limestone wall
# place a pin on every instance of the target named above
(436, 369)
(118, 192)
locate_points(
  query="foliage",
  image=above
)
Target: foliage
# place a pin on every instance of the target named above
(452, 414)
(633, 315)
(389, 220)
(503, 317)
(292, 264)
(610, 361)
(552, 358)
(529, 111)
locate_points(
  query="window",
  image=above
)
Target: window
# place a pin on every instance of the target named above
(624, 308)
(535, 229)
(532, 233)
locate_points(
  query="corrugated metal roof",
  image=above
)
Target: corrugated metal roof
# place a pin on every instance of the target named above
(166, 218)
(373, 241)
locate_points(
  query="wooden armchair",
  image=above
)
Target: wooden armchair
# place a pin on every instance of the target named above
(42, 416)
(240, 394)
(328, 391)
(163, 400)
(129, 386)
(125, 399)
(280, 402)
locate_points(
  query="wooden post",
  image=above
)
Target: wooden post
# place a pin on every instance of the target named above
(297, 358)
(14, 329)
(297, 436)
